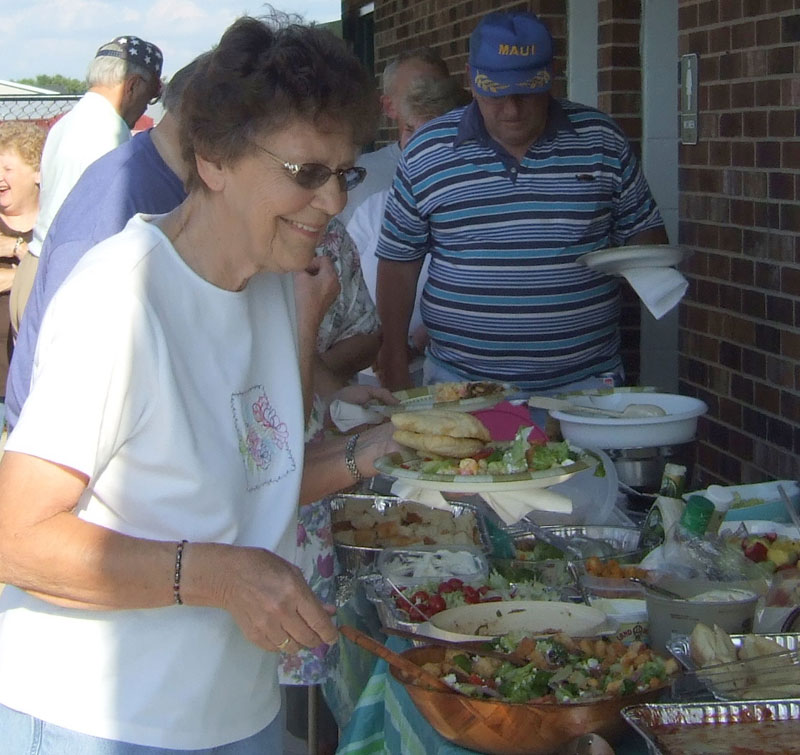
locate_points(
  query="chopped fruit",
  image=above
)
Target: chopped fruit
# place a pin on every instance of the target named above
(756, 552)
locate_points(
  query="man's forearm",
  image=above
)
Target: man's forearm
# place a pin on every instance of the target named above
(396, 290)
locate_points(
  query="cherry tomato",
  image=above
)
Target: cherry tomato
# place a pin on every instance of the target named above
(420, 596)
(475, 679)
(471, 595)
(435, 604)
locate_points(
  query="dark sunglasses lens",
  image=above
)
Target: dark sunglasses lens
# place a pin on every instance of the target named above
(312, 175)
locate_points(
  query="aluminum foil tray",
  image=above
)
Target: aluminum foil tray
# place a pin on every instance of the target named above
(356, 560)
(713, 728)
(680, 649)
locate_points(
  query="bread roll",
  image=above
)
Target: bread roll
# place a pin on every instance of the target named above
(442, 422)
(441, 445)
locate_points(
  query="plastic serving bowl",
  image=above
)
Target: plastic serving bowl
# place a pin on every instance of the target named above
(678, 425)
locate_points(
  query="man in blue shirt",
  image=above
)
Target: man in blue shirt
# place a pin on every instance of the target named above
(505, 195)
(143, 175)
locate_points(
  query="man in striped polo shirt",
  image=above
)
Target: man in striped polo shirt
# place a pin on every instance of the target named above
(505, 194)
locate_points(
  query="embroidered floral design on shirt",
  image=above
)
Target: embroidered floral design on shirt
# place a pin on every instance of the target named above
(263, 438)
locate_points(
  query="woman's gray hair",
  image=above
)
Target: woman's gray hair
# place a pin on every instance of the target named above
(109, 71)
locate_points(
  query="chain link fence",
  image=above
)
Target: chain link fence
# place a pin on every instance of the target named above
(42, 109)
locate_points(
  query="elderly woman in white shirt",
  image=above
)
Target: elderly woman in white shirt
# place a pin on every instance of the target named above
(149, 492)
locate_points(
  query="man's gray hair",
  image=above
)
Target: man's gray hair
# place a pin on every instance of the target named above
(421, 54)
(429, 97)
(109, 71)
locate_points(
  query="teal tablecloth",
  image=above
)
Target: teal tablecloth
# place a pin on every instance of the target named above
(386, 721)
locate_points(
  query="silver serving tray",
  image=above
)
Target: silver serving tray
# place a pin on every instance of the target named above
(355, 560)
(645, 717)
(680, 648)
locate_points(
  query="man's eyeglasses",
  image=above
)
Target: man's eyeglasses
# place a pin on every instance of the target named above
(154, 85)
(159, 92)
(313, 175)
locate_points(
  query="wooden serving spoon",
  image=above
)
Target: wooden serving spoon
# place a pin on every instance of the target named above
(409, 668)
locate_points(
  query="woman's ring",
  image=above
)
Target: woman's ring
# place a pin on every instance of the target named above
(282, 645)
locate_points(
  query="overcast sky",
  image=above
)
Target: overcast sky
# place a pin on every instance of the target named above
(61, 36)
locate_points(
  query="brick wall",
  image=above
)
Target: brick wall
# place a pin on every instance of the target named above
(619, 93)
(740, 214)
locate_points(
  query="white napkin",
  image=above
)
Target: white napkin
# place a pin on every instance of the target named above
(510, 506)
(346, 416)
(660, 288)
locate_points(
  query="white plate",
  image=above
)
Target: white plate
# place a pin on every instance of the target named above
(619, 258)
(483, 620)
(392, 465)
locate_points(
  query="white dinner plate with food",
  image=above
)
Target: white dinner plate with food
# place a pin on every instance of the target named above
(616, 260)
(407, 465)
(480, 621)
(464, 396)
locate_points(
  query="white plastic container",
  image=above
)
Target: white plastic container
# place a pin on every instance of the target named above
(677, 426)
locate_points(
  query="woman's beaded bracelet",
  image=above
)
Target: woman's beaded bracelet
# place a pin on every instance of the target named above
(176, 585)
(350, 458)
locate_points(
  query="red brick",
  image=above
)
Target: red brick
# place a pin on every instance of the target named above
(743, 154)
(781, 123)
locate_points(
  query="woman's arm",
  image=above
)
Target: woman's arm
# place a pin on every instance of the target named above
(48, 551)
(326, 471)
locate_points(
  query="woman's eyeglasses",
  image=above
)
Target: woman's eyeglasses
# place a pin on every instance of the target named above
(313, 175)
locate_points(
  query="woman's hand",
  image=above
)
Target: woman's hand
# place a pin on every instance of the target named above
(362, 394)
(267, 596)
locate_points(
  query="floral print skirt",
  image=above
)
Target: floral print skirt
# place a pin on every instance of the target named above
(315, 558)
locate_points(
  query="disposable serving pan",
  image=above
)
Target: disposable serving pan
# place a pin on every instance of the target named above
(356, 559)
(680, 649)
(709, 728)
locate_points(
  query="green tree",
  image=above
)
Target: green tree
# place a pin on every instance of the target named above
(59, 83)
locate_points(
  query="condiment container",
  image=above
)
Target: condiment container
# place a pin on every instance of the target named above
(631, 615)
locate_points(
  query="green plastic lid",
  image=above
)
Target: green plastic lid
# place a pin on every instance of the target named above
(697, 514)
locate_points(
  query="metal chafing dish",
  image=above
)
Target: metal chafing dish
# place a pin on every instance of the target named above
(710, 728)
(355, 560)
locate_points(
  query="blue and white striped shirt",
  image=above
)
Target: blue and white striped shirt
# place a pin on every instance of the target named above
(504, 298)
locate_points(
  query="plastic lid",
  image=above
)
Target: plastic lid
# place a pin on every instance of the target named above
(720, 497)
(697, 514)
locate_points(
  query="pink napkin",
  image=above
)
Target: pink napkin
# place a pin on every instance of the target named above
(504, 419)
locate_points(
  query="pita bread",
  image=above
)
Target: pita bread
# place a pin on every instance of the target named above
(442, 422)
(441, 445)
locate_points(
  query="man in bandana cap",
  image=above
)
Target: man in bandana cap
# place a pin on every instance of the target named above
(505, 194)
(123, 78)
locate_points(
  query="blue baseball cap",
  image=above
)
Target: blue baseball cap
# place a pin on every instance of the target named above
(511, 53)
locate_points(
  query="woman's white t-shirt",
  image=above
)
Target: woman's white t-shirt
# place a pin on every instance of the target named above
(181, 401)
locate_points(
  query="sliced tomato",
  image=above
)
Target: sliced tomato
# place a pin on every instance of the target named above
(475, 679)
(483, 589)
(420, 596)
(435, 604)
